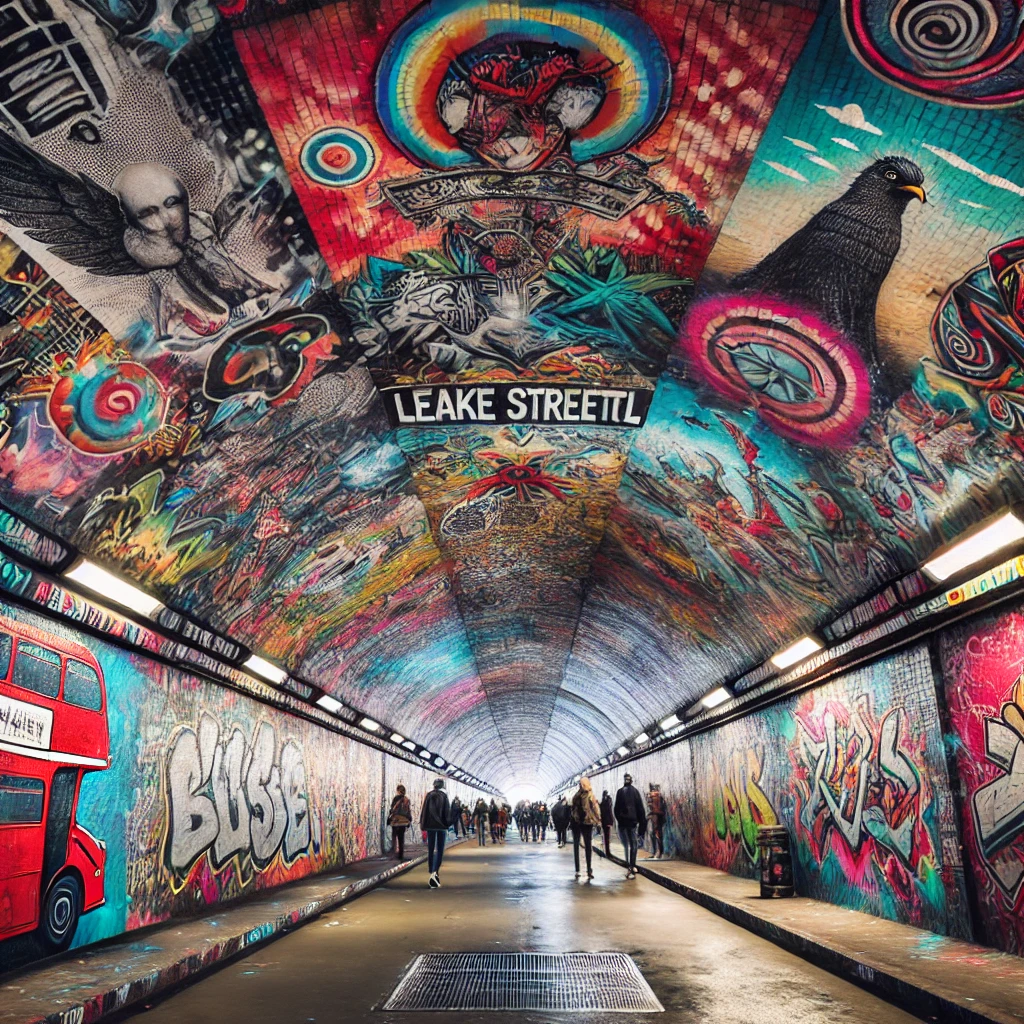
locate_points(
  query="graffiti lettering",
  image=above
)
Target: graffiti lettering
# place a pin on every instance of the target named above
(997, 808)
(229, 799)
(741, 804)
(863, 786)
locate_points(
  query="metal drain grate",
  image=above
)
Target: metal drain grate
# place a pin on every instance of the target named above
(569, 982)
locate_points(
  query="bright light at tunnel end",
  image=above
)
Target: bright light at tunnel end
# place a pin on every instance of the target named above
(803, 648)
(998, 534)
(105, 584)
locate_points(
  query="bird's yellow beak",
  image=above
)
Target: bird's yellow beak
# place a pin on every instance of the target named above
(914, 190)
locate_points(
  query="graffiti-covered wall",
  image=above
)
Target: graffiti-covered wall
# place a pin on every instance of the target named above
(982, 662)
(141, 792)
(854, 768)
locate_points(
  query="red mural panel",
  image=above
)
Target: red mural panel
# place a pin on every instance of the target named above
(983, 662)
(489, 141)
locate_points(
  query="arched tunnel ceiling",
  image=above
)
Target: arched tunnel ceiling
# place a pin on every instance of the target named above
(227, 226)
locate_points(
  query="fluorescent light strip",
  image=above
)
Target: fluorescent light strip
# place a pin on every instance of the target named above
(106, 585)
(425, 754)
(397, 737)
(369, 725)
(622, 751)
(717, 696)
(328, 703)
(998, 534)
(641, 738)
(265, 670)
(670, 722)
(803, 648)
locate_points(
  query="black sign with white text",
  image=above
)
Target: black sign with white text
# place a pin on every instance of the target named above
(420, 405)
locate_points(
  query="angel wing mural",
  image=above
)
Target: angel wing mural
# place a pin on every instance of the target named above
(144, 225)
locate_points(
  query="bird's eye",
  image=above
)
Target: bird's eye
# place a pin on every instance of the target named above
(891, 175)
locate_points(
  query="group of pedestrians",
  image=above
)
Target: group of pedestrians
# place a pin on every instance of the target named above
(532, 820)
(580, 817)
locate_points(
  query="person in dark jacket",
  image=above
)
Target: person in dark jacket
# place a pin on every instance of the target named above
(607, 821)
(399, 818)
(544, 819)
(560, 819)
(631, 816)
(435, 816)
(457, 817)
(493, 813)
(656, 821)
(480, 819)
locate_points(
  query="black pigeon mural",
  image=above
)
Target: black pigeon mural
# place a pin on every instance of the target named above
(837, 261)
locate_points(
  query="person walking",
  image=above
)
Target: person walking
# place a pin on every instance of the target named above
(631, 816)
(493, 814)
(524, 822)
(584, 815)
(399, 818)
(545, 820)
(607, 820)
(435, 816)
(656, 821)
(457, 817)
(502, 824)
(480, 816)
(560, 815)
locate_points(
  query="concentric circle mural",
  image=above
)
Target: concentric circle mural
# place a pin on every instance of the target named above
(460, 83)
(337, 157)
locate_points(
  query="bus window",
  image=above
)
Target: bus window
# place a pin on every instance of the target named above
(21, 800)
(82, 686)
(5, 654)
(36, 668)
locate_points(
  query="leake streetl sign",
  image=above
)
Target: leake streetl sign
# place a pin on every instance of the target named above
(417, 405)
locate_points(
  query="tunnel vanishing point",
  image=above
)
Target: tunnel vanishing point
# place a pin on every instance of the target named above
(513, 395)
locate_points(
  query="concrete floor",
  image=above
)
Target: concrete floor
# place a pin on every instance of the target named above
(520, 897)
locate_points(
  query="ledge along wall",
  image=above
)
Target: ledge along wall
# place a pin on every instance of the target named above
(856, 769)
(210, 795)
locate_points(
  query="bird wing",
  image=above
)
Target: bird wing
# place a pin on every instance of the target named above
(76, 219)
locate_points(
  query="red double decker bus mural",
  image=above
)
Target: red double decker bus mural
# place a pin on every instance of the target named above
(53, 729)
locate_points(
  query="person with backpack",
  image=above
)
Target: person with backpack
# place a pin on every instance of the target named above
(607, 821)
(656, 821)
(584, 816)
(435, 817)
(631, 816)
(399, 819)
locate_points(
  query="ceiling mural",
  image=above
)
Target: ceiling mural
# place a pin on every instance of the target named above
(229, 229)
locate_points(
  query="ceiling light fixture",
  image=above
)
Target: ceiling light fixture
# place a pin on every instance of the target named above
(1002, 531)
(622, 751)
(641, 738)
(409, 745)
(397, 737)
(328, 703)
(265, 670)
(803, 648)
(670, 722)
(717, 696)
(106, 585)
(426, 755)
(439, 761)
(603, 761)
(369, 725)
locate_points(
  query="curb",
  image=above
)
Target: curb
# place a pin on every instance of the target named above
(907, 995)
(193, 965)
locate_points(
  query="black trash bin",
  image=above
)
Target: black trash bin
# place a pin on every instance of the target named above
(776, 861)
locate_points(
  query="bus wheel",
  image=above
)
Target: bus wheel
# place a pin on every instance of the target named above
(60, 913)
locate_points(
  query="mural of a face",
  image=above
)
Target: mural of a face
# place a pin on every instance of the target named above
(515, 108)
(155, 204)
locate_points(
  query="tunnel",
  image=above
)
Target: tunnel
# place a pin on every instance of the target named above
(511, 507)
